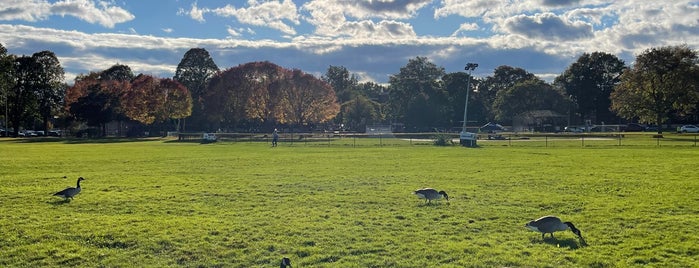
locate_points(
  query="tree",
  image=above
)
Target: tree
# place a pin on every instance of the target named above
(21, 98)
(243, 94)
(343, 83)
(48, 86)
(262, 93)
(455, 86)
(589, 82)
(6, 81)
(663, 81)
(151, 99)
(503, 78)
(194, 72)
(359, 112)
(529, 95)
(416, 95)
(306, 99)
(96, 97)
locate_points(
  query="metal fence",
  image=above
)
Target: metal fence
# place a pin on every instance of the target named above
(606, 139)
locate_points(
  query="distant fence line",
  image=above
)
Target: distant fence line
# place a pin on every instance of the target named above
(484, 139)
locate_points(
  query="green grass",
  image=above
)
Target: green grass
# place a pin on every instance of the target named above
(335, 203)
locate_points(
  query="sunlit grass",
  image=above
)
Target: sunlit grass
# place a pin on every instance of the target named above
(333, 203)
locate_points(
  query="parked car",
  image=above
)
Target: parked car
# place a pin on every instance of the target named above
(633, 127)
(689, 128)
(574, 129)
(54, 133)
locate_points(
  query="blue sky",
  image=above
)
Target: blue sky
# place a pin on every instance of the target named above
(371, 38)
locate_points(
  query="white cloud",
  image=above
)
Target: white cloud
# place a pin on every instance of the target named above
(465, 27)
(195, 13)
(338, 18)
(103, 13)
(548, 26)
(279, 15)
(168, 30)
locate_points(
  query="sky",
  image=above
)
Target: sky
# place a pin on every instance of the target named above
(373, 39)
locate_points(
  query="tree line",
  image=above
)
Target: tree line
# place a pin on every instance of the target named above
(662, 86)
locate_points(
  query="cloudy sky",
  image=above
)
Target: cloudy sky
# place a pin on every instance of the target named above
(371, 38)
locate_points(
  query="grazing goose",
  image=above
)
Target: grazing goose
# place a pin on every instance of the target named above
(430, 194)
(70, 191)
(551, 224)
(286, 262)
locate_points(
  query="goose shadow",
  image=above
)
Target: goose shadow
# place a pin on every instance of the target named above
(435, 204)
(570, 243)
(59, 202)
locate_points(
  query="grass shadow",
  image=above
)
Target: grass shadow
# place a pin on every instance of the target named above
(77, 140)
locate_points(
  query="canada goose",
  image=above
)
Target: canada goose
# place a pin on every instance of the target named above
(430, 194)
(551, 224)
(70, 191)
(286, 262)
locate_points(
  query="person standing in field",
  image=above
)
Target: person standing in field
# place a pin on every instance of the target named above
(275, 138)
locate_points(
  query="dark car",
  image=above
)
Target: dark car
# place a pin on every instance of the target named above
(633, 127)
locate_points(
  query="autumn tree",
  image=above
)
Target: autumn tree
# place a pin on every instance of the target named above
(589, 82)
(263, 94)
(662, 81)
(306, 99)
(152, 99)
(194, 72)
(96, 97)
(243, 95)
(95, 101)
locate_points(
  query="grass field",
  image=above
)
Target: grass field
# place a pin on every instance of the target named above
(159, 203)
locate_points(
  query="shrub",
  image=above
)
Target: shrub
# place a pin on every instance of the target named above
(442, 139)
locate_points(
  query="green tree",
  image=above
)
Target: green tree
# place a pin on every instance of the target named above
(662, 81)
(6, 82)
(526, 96)
(21, 98)
(504, 77)
(455, 86)
(48, 86)
(194, 72)
(416, 95)
(359, 112)
(589, 82)
(343, 83)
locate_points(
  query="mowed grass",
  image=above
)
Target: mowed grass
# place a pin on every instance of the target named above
(158, 203)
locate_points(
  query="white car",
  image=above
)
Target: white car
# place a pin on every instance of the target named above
(689, 128)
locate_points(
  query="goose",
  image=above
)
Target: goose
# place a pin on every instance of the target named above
(551, 224)
(430, 194)
(70, 191)
(286, 262)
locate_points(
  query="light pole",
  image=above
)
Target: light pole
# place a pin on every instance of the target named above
(467, 138)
